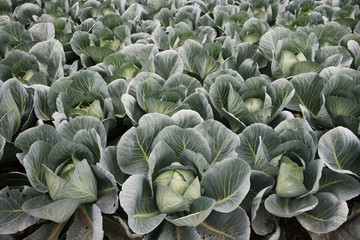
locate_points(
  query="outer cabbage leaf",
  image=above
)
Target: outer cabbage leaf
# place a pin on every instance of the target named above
(33, 163)
(221, 140)
(45, 208)
(232, 173)
(180, 139)
(344, 187)
(168, 63)
(135, 145)
(136, 200)
(230, 225)
(287, 207)
(13, 217)
(340, 150)
(328, 215)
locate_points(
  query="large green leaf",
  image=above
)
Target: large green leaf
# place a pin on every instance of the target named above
(227, 182)
(43, 51)
(326, 52)
(42, 132)
(134, 147)
(312, 175)
(204, 65)
(62, 96)
(169, 201)
(160, 38)
(159, 106)
(199, 103)
(340, 150)
(228, 73)
(294, 124)
(188, 51)
(187, 118)
(304, 67)
(10, 115)
(199, 211)
(132, 108)
(12, 217)
(16, 33)
(109, 163)
(233, 225)
(33, 163)
(42, 31)
(107, 192)
(68, 130)
(136, 200)
(197, 160)
(249, 68)
(354, 48)
(67, 151)
(337, 106)
(45, 208)
(139, 52)
(344, 187)
(221, 140)
(177, 80)
(328, 215)
(289, 207)
(349, 230)
(98, 54)
(225, 98)
(250, 141)
(88, 224)
(268, 41)
(180, 139)
(89, 82)
(25, 12)
(326, 36)
(10, 120)
(284, 92)
(80, 41)
(168, 63)
(41, 107)
(82, 184)
(288, 185)
(55, 184)
(116, 89)
(90, 139)
(5, 72)
(149, 88)
(18, 93)
(262, 161)
(308, 87)
(160, 157)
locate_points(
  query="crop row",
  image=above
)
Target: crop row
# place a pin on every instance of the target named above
(179, 119)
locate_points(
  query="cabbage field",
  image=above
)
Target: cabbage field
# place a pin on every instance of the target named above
(174, 119)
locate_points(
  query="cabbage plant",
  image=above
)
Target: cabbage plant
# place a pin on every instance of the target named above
(149, 93)
(332, 99)
(179, 168)
(291, 182)
(84, 93)
(16, 114)
(255, 100)
(67, 170)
